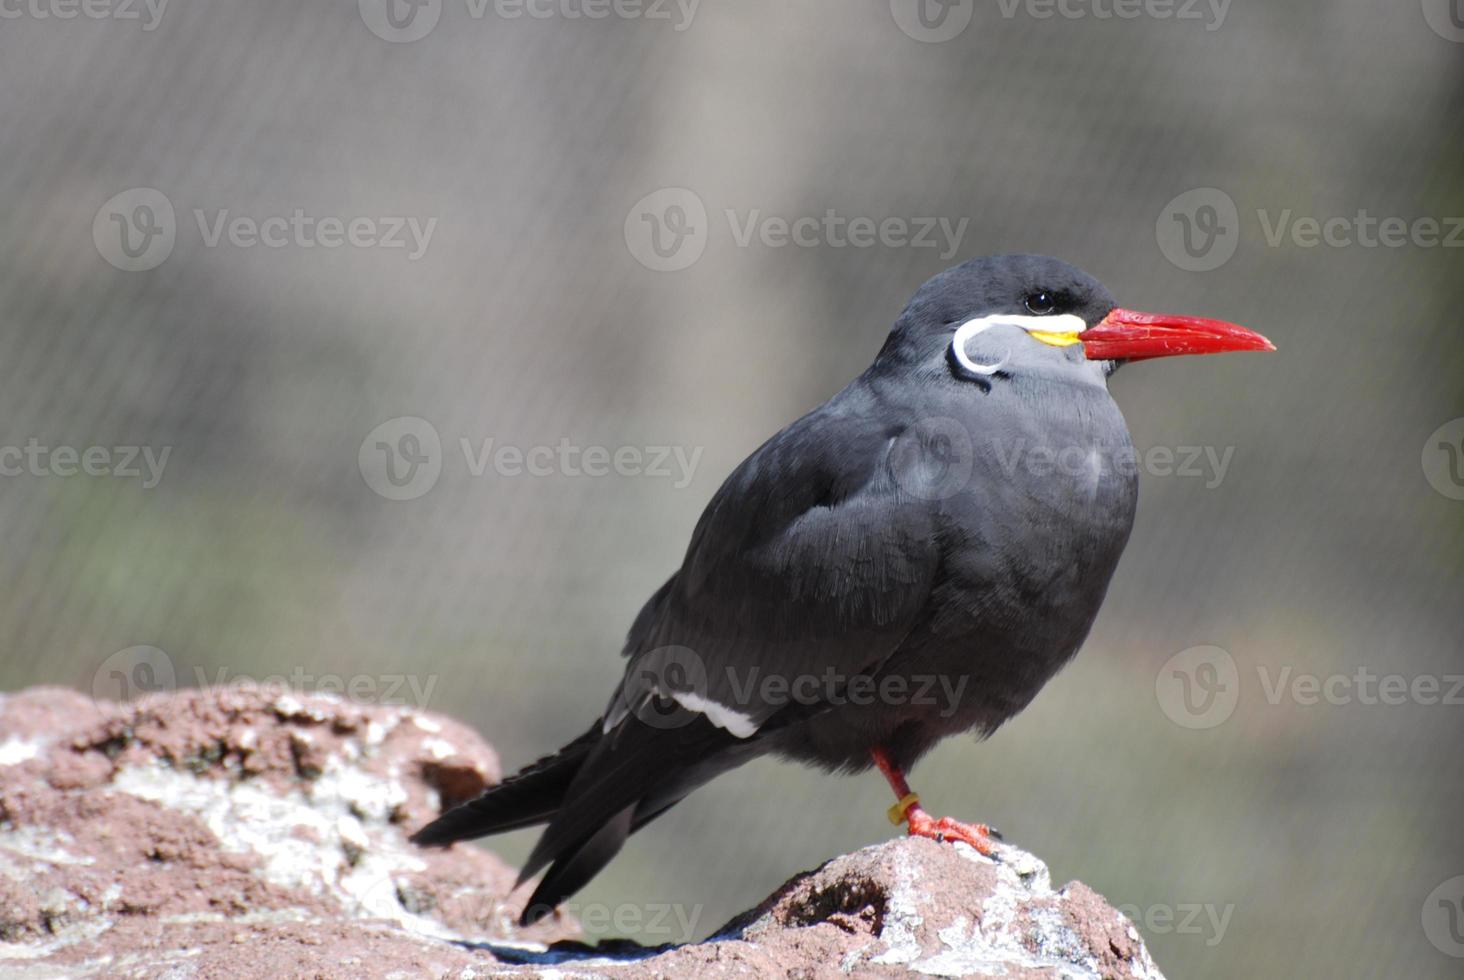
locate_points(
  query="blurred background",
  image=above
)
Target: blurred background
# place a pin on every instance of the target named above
(478, 226)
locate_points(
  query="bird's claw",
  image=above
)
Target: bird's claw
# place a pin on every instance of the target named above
(948, 829)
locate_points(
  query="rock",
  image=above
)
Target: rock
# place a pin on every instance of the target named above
(247, 832)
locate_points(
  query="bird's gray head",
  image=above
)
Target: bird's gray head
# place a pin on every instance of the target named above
(1008, 317)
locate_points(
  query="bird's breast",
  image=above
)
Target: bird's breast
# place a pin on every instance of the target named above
(1034, 536)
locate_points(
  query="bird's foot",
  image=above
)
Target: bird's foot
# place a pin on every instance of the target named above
(978, 835)
(921, 824)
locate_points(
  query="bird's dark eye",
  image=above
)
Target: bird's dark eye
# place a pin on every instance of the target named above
(1042, 303)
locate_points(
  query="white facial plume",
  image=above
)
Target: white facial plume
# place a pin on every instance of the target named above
(1048, 326)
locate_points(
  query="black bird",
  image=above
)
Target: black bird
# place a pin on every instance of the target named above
(912, 559)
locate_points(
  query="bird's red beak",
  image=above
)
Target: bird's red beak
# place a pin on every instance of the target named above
(1126, 335)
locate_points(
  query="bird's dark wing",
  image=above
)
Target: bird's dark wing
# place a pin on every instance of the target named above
(810, 565)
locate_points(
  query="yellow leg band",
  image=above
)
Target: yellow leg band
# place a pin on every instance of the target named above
(899, 810)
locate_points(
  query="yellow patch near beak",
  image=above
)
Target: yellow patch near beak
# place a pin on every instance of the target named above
(1064, 339)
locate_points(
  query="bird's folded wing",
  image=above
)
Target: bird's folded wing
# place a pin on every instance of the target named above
(810, 566)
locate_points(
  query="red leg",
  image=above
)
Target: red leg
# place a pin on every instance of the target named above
(922, 824)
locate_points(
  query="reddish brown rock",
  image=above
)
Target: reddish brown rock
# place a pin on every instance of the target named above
(243, 832)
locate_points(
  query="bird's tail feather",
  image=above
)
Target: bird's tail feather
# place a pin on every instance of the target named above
(593, 793)
(575, 866)
(531, 796)
(624, 784)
